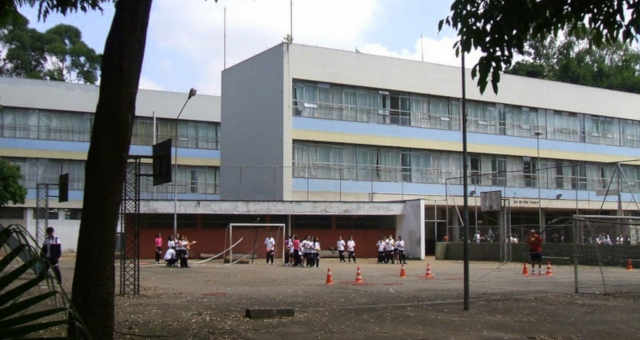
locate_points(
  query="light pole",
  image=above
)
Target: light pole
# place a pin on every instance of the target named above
(192, 93)
(540, 227)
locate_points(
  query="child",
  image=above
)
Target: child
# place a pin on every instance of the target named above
(351, 249)
(287, 251)
(340, 245)
(380, 245)
(388, 249)
(316, 246)
(296, 251)
(51, 250)
(170, 257)
(270, 244)
(158, 244)
(400, 246)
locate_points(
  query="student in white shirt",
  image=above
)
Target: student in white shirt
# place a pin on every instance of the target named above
(388, 250)
(316, 248)
(340, 245)
(351, 249)
(402, 258)
(308, 246)
(170, 257)
(270, 244)
(380, 246)
(51, 250)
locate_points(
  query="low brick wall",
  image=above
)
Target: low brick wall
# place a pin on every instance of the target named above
(609, 255)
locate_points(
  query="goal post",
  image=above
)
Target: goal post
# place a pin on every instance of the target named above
(258, 226)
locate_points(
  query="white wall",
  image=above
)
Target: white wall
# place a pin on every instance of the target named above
(410, 225)
(359, 69)
(57, 95)
(252, 145)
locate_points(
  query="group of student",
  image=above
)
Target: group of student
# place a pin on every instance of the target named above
(177, 250)
(305, 252)
(390, 251)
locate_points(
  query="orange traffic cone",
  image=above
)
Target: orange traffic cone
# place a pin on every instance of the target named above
(403, 273)
(629, 265)
(525, 270)
(428, 275)
(359, 276)
(549, 272)
(329, 277)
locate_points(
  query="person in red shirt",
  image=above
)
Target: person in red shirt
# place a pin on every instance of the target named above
(296, 251)
(535, 250)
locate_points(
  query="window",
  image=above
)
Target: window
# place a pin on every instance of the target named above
(72, 214)
(529, 171)
(476, 169)
(498, 171)
(602, 130)
(559, 175)
(406, 166)
(51, 215)
(12, 213)
(579, 176)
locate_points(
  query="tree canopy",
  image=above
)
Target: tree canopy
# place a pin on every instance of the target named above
(501, 29)
(56, 54)
(11, 191)
(575, 60)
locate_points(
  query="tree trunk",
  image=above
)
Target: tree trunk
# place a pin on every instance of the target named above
(93, 282)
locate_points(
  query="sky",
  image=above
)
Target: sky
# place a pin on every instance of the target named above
(185, 37)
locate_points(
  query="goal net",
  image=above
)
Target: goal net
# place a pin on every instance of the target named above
(605, 248)
(247, 240)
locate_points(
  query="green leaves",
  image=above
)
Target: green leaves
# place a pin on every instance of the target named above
(503, 27)
(578, 59)
(10, 188)
(57, 54)
(25, 307)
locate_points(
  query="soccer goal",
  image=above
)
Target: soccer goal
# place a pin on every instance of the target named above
(248, 239)
(606, 250)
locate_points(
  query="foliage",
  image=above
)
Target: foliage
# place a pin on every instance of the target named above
(614, 66)
(57, 54)
(502, 28)
(25, 307)
(10, 188)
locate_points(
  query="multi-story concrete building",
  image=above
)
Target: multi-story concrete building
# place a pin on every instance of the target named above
(333, 142)
(310, 123)
(45, 127)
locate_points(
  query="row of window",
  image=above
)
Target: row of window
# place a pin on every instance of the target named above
(74, 126)
(189, 179)
(339, 102)
(15, 213)
(369, 163)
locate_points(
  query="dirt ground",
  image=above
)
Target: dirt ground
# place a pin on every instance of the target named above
(208, 301)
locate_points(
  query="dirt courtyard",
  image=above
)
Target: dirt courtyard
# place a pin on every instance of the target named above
(208, 301)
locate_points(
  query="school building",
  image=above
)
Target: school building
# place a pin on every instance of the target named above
(334, 142)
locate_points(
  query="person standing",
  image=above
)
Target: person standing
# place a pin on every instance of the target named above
(270, 244)
(351, 249)
(287, 252)
(340, 245)
(402, 258)
(158, 244)
(380, 245)
(316, 246)
(52, 250)
(388, 249)
(535, 250)
(296, 251)
(181, 251)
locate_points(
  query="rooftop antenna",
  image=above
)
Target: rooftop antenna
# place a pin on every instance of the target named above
(421, 48)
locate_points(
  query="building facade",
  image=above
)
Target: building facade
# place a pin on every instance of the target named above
(45, 128)
(337, 125)
(333, 142)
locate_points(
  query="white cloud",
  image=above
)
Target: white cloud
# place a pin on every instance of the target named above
(148, 84)
(194, 29)
(439, 51)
